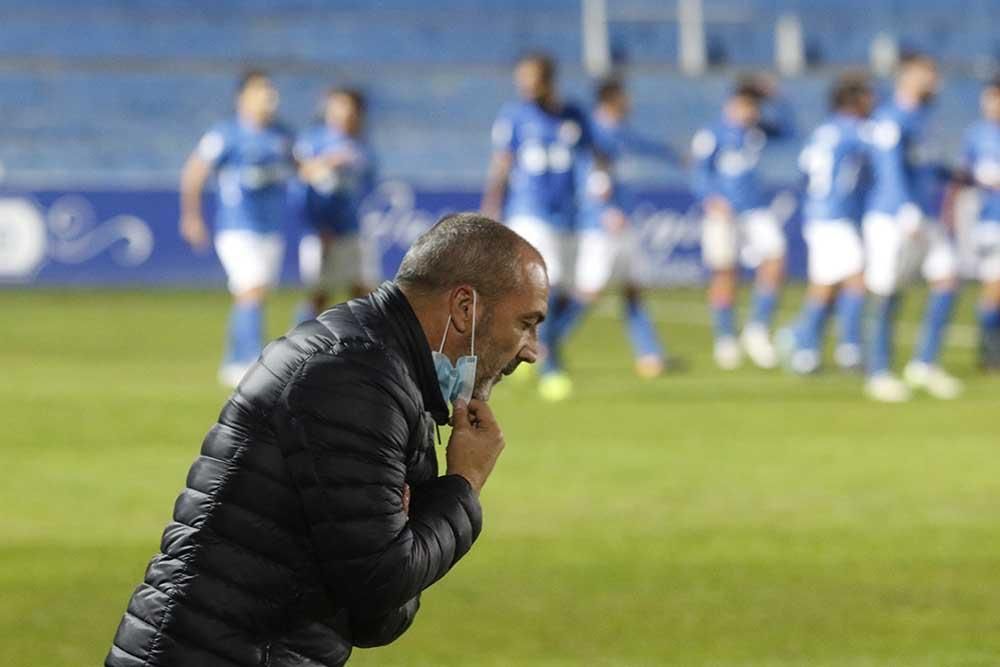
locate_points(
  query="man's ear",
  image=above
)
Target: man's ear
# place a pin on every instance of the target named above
(461, 303)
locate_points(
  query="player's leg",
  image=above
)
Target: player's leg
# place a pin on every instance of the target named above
(719, 248)
(313, 250)
(252, 263)
(800, 345)
(988, 251)
(940, 268)
(884, 254)
(647, 348)
(764, 248)
(546, 240)
(848, 354)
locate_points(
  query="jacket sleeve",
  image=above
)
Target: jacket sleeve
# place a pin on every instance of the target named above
(345, 438)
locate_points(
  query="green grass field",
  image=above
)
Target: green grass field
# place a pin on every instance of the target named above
(703, 519)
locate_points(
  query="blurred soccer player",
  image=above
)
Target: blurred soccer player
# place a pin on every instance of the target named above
(738, 225)
(835, 164)
(251, 156)
(981, 164)
(900, 236)
(538, 143)
(337, 170)
(604, 239)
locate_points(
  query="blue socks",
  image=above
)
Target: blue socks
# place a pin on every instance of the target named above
(881, 343)
(246, 333)
(565, 314)
(936, 319)
(724, 321)
(850, 310)
(989, 318)
(762, 307)
(809, 329)
(641, 331)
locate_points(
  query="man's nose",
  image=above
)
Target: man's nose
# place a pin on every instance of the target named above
(529, 353)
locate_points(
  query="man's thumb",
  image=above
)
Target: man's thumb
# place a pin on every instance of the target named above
(460, 414)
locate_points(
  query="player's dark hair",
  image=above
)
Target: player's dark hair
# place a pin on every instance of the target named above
(746, 87)
(609, 90)
(545, 62)
(993, 84)
(355, 95)
(849, 90)
(464, 249)
(911, 58)
(248, 77)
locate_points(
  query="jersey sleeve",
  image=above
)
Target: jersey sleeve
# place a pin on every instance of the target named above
(503, 131)
(304, 147)
(704, 148)
(215, 146)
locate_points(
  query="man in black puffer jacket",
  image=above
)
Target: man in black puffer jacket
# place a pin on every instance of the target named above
(315, 515)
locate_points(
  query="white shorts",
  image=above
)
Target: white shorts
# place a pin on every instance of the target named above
(585, 262)
(250, 259)
(835, 251)
(755, 237)
(894, 255)
(986, 236)
(347, 261)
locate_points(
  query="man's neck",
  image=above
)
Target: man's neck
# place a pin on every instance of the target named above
(429, 314)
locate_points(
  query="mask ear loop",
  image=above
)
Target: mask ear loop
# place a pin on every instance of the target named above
(472, 351)
(445, 336)
(448, 326)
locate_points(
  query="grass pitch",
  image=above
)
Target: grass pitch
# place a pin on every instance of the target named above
(704, 519)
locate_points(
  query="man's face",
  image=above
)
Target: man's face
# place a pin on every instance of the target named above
(532, 81)
(743, 110)
(510, 329)
(618, 106)
(920, 80)
(258, 101)
(990, 104)
(344, 114)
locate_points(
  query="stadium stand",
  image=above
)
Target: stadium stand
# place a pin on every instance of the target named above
(82, 105)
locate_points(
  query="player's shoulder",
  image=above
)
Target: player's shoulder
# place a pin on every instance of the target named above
(705, 140)
(885, 127)
(512, 110)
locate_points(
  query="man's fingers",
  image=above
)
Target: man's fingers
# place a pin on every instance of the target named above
(481, 413)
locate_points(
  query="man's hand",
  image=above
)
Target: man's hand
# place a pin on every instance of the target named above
(194, 231)
(475, 444)
(614, 220)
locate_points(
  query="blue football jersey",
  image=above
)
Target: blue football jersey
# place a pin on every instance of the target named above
(981, 158)
(906, 166)
(331, 203)
(726, 157)
(614, 141)
(834, 163)
(546, 147)
(253, 167)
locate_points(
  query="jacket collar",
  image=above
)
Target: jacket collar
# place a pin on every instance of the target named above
(405, 326)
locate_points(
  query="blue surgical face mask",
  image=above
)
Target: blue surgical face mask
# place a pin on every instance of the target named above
(457, 381)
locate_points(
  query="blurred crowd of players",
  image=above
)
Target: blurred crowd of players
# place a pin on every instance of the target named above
(878, 205)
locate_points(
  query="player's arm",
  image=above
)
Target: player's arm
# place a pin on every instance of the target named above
(194, 175)
(496, 184)
(705, 176)
(639, 144)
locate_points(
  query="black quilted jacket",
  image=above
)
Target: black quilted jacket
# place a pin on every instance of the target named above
(290, 544)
